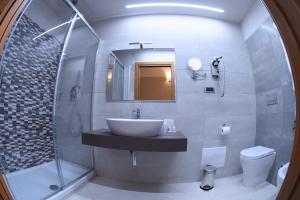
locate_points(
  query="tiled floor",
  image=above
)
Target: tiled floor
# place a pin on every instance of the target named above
(230, 188)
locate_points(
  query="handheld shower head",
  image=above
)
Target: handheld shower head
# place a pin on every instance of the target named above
(215, 72)
(216, 61)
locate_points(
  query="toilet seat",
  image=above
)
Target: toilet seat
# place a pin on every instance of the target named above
(256, 152)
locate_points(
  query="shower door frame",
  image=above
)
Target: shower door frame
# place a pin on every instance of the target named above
(60, 65)
(66, 42)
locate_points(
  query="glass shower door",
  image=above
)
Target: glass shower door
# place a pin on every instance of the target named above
(29, 65)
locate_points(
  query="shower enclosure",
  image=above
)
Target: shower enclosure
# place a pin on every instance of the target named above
(46, 74)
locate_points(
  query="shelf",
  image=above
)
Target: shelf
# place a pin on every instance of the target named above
(170, 142)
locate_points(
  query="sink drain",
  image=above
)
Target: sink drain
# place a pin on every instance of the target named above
(53, 187)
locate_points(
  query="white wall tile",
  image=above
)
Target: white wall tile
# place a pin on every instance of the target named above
(196, 114)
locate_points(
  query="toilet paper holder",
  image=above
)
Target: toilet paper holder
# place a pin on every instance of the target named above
(225, 130)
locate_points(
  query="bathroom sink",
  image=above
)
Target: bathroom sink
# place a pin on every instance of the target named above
(281, 175)
(135, 127)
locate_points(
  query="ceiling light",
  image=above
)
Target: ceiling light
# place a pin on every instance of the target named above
(176, 5)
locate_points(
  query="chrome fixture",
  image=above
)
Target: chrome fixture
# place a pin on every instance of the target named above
(215, 73)
(83, 19)
(137, 113)
(140, 43)
(56, 27)
(54, 187)
(195, 66)
(71, 3)
(74, 93)
(133, 158)
(197, 75)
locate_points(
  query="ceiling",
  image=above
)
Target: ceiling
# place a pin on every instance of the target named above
(94, 10)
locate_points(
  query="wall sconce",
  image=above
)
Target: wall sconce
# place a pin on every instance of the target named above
(109, 75)
(168, 77)
(195, 65)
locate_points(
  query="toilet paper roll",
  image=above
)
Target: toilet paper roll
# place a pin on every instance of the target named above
(225, 130)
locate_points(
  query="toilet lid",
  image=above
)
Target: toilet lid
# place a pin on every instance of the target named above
(256, 152)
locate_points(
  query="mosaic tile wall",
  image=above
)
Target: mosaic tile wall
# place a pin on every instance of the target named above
(29, 71)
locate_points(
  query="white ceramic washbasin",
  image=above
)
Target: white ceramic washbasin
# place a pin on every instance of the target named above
(135, 127)
(281, 175)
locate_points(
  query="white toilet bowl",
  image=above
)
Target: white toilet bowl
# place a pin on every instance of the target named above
(256, 163)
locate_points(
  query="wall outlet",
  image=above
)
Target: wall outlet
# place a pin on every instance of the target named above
(209, 90)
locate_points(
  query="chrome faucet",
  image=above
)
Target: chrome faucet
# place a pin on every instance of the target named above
(137, 113)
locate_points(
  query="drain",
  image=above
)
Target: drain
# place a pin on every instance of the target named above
(53, 187)
(206, 187)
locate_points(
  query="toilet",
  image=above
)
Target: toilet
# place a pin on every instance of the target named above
(256, 163)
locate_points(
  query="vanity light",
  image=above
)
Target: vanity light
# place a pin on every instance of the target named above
(195, 65)
(165, 4)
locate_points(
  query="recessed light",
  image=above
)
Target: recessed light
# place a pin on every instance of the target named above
(197, 6)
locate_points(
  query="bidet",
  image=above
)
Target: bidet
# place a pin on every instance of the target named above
(281, 175)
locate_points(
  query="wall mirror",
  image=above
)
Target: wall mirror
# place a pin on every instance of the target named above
(141, 75)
